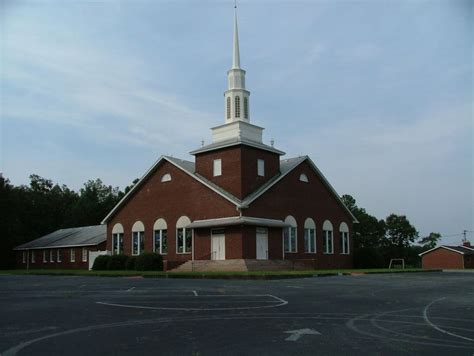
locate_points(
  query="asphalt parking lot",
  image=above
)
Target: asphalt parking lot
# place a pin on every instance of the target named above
(391, 314)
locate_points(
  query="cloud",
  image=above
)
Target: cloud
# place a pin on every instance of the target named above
(62, 83)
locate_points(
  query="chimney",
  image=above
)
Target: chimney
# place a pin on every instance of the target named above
(466, 243)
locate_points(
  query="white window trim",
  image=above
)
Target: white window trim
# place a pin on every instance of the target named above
(72, 255)
(314, 240)
(85, 254)
(141, 236)
(59, 257)
(166, 178)
(161, 241)
(33, 256)
(217, 167)
(346, 235)
(51, 256)
(289, 240)
(45, 257)
(261, 167)
(332, 242)
(24, 257)
(304, 178)
(184, 241)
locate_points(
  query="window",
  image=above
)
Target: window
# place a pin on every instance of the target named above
(309, 236)
(59, 254)
(33, 257)
(166, 177)
(237, 106)
(138, 238)
(289, 235)
(184, 237)
(84, 254)
(117, 243)
(45, 257)
(328, 246)
(228, 107)
(24, 256)
(261, 167)
(117, 238)
(303, 178)
(72, 254)
(51, 256)
(160, 233)
(246, 108)
(344, 232)
(217, 167)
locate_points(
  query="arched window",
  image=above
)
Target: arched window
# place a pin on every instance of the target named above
(309, 236)
(228, 107)
(246, 108)
(184, 237)
(138, 238)
(166, 177)
(117, 239)
(160, 233)
(344, 232)
(303, 178)
(237, 106)
(328, 243)
(289, 235)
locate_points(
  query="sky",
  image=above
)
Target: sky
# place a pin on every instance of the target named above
(379, 94)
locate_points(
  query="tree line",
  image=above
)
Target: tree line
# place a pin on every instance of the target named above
(376, 242)
(34, 210)
(31, 211)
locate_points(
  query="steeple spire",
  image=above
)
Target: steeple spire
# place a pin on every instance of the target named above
(236, 52)
(236, 96)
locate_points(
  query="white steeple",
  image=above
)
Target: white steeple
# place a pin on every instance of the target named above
(237, 124)
(236, 97)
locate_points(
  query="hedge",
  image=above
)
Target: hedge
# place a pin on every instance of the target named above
(149, 262)
(117, 262)
(101, 263)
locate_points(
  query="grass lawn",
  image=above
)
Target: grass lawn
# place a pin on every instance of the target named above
(230, 275)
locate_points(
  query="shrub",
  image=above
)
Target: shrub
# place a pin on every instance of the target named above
(130, 264)
(100, 263)
(149, 262)
(117, 262)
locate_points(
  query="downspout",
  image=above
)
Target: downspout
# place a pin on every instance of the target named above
(192, 250)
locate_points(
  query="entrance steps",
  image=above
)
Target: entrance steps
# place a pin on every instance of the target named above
(237, 265)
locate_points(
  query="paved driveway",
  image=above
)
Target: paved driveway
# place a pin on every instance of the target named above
(399, 314)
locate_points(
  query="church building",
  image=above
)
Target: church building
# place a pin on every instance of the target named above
(238, 205)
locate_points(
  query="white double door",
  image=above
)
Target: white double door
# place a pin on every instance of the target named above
(218, 245)
(262, 244)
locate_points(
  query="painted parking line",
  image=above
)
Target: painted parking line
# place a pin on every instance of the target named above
(271, 301)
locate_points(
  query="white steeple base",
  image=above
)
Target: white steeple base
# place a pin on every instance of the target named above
(241, 130)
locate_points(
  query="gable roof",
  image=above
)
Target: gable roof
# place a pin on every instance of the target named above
(463, 250)
(76, 236)
(286, 166)
(185, 166)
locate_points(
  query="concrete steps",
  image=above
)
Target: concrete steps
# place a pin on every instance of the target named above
(238, 265)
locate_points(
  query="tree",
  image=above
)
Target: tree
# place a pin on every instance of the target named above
(95, 200)
(400, 233)
(430, 241)
(368, 232)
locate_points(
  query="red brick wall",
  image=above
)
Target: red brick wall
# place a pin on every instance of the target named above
(290, 196)
(65, 261)
(239, 168)
(442, 258)
(183, 195)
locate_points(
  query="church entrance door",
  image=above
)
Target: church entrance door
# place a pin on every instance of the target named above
(262, 244)
(218, 245)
